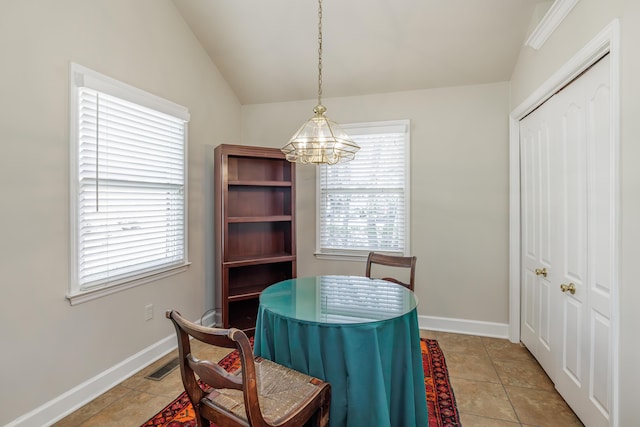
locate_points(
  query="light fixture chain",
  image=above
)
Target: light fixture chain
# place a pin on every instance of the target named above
(320, 141)
(319, 52)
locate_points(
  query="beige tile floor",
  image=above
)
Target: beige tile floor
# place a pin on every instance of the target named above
(499, 384)
(496, 384)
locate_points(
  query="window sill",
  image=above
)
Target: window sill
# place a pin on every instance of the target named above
(352, 255)
(342, 256)
(80, 297)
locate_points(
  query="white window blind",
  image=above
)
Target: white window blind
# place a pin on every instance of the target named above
(130, 210)
(363, 204)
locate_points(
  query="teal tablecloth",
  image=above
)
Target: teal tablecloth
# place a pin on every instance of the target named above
(370, 354)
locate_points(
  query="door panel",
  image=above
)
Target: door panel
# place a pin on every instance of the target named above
(536, 309)
(584, 379)
(529, 308)
(601, 228)
(571, 354)
(600, 392)
(545, 335)
(572, 220)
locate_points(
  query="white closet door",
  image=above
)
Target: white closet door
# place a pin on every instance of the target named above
(538, 312)
(586, 244)
(568, 229)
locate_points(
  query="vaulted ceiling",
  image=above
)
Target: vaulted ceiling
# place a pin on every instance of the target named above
(268, 50)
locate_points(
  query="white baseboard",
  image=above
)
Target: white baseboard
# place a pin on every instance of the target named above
(209, 318)
(73, 399)
(464, 326)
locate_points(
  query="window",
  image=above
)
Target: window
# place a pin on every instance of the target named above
(128, 185)
(364, 204)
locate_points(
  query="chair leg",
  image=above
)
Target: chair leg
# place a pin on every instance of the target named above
(200, 421)
(322, 415)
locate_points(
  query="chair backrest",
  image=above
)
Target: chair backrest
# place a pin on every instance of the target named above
(394, 261)
(211, 373)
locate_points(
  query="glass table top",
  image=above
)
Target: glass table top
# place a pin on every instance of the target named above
(338, 299)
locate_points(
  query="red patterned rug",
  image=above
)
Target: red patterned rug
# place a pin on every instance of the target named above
(441, 402)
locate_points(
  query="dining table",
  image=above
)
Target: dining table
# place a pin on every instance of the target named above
(359, 334)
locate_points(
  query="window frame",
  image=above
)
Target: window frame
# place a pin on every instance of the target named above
(80, 76)
(355, 129)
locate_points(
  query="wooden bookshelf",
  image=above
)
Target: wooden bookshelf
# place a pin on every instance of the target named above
(255, 229)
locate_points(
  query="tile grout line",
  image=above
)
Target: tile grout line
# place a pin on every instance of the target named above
(502, 384)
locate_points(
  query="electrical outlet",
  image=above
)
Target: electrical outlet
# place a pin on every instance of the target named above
(148, 312)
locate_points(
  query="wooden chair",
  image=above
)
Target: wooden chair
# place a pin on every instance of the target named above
(394, 261)
(262, 393)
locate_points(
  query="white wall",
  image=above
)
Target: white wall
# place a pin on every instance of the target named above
(49, 347)
(459, 190)
(532, 69)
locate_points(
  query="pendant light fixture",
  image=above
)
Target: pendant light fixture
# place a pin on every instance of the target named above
(320, 140)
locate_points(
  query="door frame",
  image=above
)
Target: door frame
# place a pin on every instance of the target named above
(607, 41)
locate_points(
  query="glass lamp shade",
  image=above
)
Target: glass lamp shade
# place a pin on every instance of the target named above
(320, 141)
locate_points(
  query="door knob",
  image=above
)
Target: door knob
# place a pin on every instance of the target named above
(570, 287)
(541, 272)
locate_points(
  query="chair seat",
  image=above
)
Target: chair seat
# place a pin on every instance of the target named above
(282, 391)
